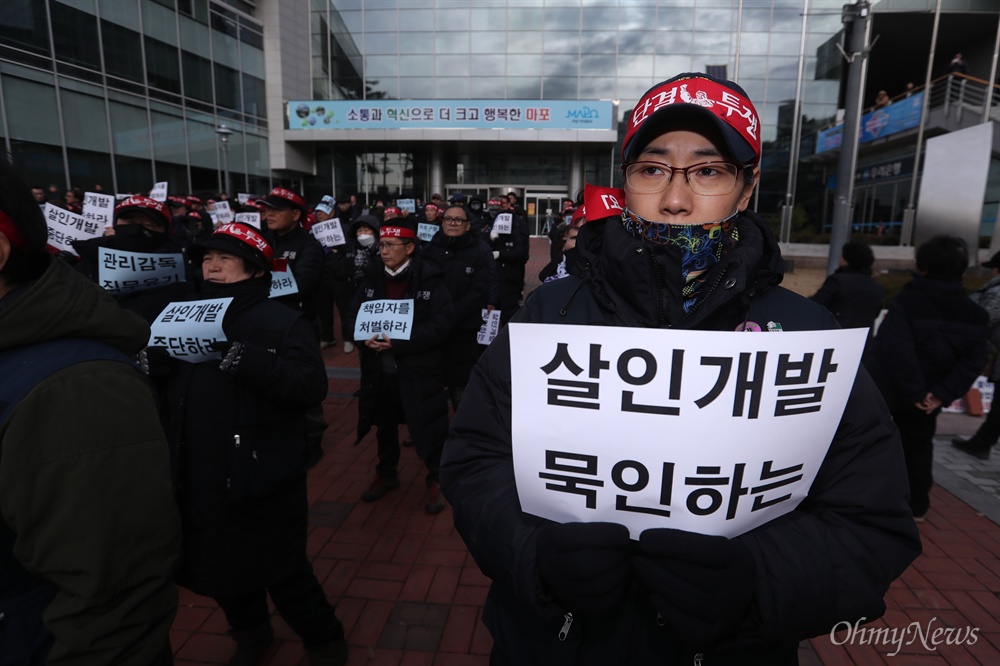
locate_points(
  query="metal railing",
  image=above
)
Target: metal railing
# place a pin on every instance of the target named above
(960, 95)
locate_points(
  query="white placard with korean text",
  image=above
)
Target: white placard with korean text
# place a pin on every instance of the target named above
(223, 213)
(390, 317)
(504, 223)
(283, 283)
(329, 233)
(408, 206)
(490, 327)
(119, 271)
(188, 329)
(99, 207)
(705, 431)
(159, 191)
(242, 198)
(425, 231)
(253, 219)
(65, 227)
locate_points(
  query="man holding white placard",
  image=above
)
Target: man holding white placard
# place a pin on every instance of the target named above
(140, 264)
(677, 249)
(402, 380)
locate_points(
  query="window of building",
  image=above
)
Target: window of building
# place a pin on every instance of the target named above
(254, 99)
(197, 77)
(227, 87)
(122, 51)
(74, 34)
(25, 25)
(163, 71)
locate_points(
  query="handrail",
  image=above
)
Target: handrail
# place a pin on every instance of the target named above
(959, 90)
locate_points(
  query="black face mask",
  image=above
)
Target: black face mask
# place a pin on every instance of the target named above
(137, 238)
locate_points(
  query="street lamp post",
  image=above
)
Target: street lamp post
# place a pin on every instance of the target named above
(224, 133)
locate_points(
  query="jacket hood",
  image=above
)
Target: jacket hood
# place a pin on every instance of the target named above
(641, 282)
(64, 304)
(366, 220)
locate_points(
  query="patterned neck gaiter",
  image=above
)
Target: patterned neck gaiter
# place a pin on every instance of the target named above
(701, 246)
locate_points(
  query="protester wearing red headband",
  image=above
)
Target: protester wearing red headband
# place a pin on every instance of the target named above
(237, 429)
(141, 226)
(89, 534)
(678, 248)
(402, 381)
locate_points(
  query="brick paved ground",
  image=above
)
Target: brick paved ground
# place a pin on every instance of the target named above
(408, 592)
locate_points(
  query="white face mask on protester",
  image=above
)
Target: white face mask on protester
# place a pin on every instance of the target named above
(366, 240)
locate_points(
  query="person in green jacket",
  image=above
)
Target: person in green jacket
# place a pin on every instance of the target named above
(89, 531)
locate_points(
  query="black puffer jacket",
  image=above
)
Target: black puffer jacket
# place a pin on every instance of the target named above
(853, 296)
(932, 340)
(238, 445)
(827, 561)
(419, 360)
(306, 259)
(466, 261)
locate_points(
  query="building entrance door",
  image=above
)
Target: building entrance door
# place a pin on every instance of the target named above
(543, 211)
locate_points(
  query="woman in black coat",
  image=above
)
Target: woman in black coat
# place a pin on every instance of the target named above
(237, 433)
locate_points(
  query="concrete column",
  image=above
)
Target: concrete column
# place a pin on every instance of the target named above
(575, 180)
(437, 170)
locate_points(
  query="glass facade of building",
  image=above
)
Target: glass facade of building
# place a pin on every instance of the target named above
(565, 49)
(125, 93)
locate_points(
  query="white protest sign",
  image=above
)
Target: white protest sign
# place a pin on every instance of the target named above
(704, 431)
(243, 198)
(119, 197)
(490, 327)
(223, 213)
(426, 231)
(391, 317)
(189, 328)
(283, 283)
(159, 192)
(504, 223)
(99, 208)
(407, 205)
(252, 219)
(65, 227)
(119, 271)
(329, 233)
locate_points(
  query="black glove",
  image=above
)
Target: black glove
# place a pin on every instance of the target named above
(584, 565)
(154, 361)
(701, 585)
(232, 355)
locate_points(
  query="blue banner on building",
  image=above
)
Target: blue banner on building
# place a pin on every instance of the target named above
(901, 115)
(450, 114)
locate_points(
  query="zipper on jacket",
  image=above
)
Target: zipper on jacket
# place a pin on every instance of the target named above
(698, 658)
(708, 293)
(660, 284)
(236, 440)
(564, 632)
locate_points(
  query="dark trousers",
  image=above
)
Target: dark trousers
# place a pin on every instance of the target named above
(989, 431)
(390, 413)
(299, 599)
(387, 419)
(916, 429)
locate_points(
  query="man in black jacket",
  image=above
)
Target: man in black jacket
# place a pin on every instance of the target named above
(468, 266)
(685, 253)
(141, 226)
(402, 381)
(929, 350)
(302, 255)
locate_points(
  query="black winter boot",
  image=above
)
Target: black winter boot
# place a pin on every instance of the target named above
(251, 645)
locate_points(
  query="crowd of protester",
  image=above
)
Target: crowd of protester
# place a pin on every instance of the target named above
(196, 471)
